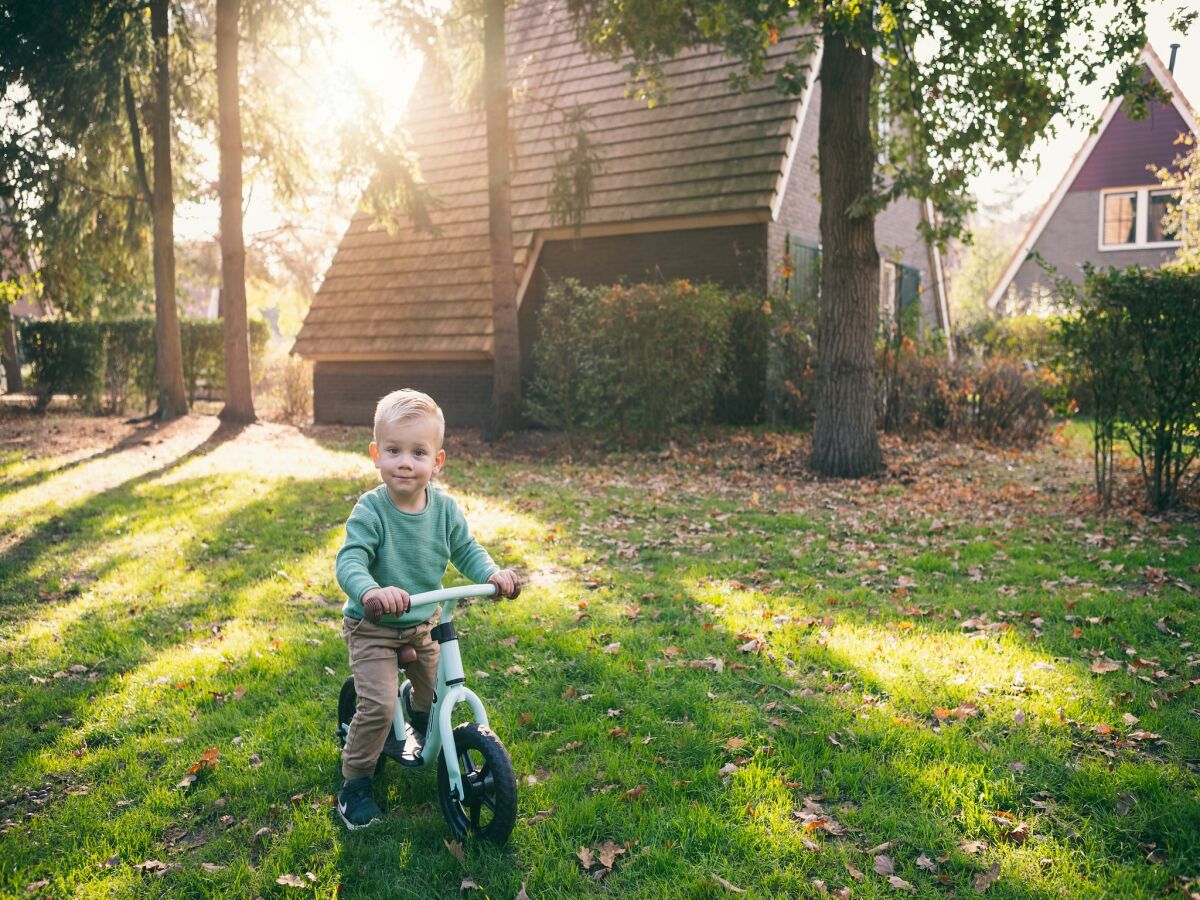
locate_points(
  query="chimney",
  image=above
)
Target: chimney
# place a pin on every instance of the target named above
(1171, 64)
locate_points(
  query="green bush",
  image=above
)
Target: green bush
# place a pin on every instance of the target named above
(65, 358)
(1030, 338)
(105, 365)
(742, 393)
(636, 359)
(1134, 344)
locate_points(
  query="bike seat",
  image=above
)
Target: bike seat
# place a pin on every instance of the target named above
(406, 655)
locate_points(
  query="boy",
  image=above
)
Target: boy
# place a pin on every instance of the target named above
(399, 538)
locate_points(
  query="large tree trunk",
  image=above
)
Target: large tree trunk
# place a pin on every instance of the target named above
(506, 367)
(8, 350)
(239, 402)
(172, 399)
(845, 442)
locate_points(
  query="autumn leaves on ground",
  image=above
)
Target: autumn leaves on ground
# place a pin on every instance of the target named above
(724, 676)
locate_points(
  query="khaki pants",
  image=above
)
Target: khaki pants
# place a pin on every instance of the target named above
(374, 665)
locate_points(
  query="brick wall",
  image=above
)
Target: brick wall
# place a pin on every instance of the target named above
(346, 392)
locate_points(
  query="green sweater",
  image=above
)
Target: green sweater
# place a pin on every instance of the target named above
(386, 547)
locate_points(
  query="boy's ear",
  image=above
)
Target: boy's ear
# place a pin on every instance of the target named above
(374, 451)
(439, 461)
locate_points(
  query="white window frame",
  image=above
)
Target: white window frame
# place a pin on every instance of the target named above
(1142, 223)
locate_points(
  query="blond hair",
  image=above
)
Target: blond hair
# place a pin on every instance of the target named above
(406, 404)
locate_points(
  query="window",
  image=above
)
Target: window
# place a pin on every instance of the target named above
(1120, 219)
(1131, 218)
(1161, 203)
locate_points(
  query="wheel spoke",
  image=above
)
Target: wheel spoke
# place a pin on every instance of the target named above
(466, 764)
(489, 803)
(475, 814)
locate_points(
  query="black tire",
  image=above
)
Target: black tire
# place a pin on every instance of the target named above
(489, 808)
(347, 704)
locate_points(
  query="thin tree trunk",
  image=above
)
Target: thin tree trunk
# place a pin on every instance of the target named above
(172, 399)
(845, 440)
(12, 363)
(506, 367)
(239, 402)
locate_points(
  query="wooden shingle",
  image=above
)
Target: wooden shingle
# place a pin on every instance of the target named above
(710, 153)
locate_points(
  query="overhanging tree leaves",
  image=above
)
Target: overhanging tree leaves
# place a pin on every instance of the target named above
(962, 86)
(75, 68)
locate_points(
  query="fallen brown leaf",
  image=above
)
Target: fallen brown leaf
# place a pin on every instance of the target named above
(984, 880)
(585, 858)
(291, 881)
(884, 865)
(609, 852)
(456, 850)
(900, 884)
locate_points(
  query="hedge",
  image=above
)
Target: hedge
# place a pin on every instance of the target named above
(106, 364)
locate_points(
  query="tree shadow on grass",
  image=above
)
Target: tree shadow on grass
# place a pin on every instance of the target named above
(16, 553)
(241, 623)
(137, 437)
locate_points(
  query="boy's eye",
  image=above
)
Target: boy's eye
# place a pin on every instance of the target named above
(418, 453)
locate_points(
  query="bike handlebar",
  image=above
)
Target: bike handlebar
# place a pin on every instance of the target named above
(452, 593)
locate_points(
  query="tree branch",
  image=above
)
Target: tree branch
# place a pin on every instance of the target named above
(135, 134)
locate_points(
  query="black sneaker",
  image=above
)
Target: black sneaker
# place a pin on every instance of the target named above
(356, 805)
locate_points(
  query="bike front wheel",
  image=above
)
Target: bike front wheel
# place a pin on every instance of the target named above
(489, 805)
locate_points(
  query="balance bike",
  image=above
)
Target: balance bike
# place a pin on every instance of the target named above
(477, 788)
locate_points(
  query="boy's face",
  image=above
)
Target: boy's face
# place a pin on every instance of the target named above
(407, 456)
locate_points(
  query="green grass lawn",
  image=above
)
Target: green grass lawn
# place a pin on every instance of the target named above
(743, 678)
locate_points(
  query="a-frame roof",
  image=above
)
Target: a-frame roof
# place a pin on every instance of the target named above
(710, 155)
(1154, 65)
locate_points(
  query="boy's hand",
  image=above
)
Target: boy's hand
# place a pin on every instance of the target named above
(385, 601)
(507, 582)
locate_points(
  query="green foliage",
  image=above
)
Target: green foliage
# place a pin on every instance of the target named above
(570, 193)
(742, 394)
(1033, 339)
(107, 364)
(65, 357)
(1183, 217)
(989, 78)
(982, 263)
(998, 398)
(637, 359)
(1133, 342)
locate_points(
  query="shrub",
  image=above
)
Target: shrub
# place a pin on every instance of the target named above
(1133, 342)
(638, 358)
(742, 392)
(792, 362)
(65, 358)
(286, 384)
(115, 359)
(1033, 339)
(999, 400)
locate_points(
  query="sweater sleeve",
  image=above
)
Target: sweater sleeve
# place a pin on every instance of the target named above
(465, 552)
(364, 533)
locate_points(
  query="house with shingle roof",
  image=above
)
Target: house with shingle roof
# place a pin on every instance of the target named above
(715, 184)
(1108, 208)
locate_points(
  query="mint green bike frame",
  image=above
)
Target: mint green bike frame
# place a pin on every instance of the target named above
(451, 688)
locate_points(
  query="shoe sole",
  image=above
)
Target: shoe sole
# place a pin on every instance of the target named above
(351, 825)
